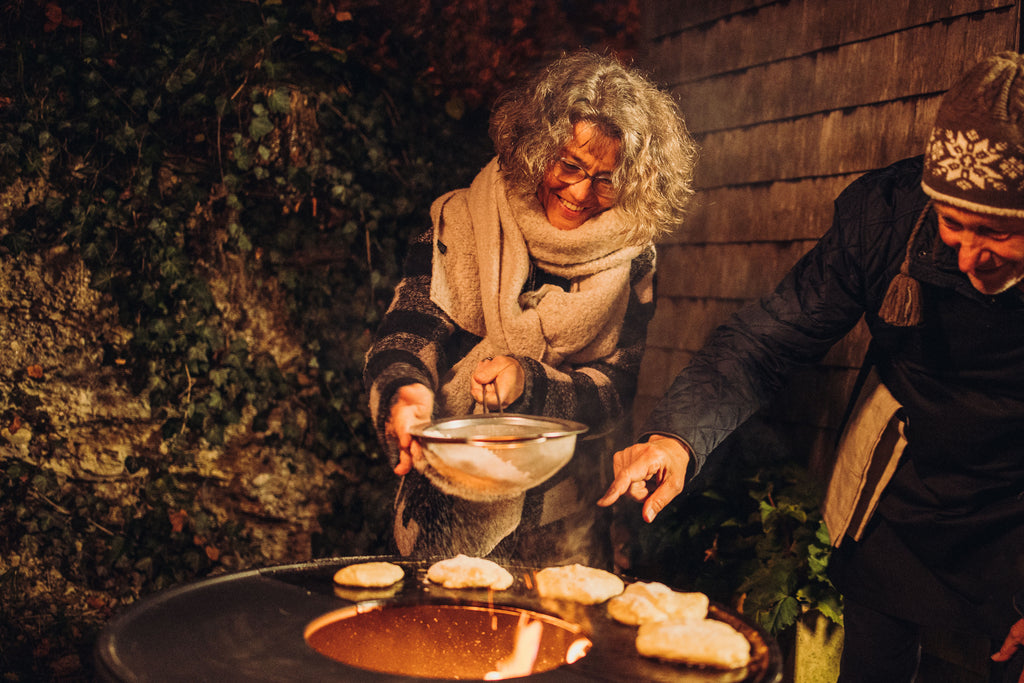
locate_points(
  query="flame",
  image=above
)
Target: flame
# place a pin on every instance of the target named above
(578, 650)
(524, 651)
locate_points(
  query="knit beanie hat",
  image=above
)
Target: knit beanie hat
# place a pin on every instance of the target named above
(974, 161)
(975, 155)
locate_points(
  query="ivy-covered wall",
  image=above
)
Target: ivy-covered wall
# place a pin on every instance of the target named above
(203, 211)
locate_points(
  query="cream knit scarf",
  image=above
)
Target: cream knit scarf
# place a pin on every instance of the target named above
(484, 241)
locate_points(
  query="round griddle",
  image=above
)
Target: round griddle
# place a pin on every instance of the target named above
(249, 626)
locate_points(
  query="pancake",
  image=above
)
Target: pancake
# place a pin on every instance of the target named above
(469, 572)
(707, 642)
(643, 603)
(577, 583)
(369, 575)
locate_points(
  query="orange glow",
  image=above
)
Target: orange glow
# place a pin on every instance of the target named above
(578, 650)
(524, 651)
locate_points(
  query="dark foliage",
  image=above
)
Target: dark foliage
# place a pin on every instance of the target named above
(749, 533)
(292, 145)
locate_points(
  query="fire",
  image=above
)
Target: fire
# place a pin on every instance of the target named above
(578, 650)
(524, 651)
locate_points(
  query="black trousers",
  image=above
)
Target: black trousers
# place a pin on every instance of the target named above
(878, 648)
(889, 597)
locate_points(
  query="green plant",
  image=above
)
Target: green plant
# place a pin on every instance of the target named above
(749, 533)
(210, 163)
(240, 178)
(789, 574)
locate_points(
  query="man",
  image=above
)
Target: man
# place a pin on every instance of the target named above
(926, 504)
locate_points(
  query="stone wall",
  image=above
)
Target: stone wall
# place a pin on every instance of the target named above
(68, 411)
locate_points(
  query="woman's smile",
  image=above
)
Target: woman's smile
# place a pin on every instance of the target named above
(575, 208)
(594, 156)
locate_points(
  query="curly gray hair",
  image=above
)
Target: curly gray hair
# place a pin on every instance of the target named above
(531, 124)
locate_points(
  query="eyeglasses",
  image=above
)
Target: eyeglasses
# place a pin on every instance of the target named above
(570, 174)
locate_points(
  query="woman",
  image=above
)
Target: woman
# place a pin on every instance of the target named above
(532, 292)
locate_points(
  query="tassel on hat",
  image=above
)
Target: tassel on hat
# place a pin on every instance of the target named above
(902, 304)
(974, 160)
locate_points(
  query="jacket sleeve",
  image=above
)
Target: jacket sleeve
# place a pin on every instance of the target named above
(410, 344)
(748, 359)
(600, 392)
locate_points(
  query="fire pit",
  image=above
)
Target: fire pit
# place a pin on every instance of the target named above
(292, 623)
(441, 640)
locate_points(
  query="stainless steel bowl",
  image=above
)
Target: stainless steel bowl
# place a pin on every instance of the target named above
(489, 457)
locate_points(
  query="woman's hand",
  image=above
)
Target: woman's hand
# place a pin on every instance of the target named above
(497, 379)
(1014, 642)
(413, 404)
(661, 459)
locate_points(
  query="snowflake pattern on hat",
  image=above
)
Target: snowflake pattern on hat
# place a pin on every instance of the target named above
(970, 161)
(974, 158)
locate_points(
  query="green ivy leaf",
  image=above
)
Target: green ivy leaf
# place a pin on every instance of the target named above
(260, 126)
(822, 535)
(783, 615)
(831, 606)
(280, 101)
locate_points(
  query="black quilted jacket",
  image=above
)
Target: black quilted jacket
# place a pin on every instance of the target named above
(750, 357)
(957, 499)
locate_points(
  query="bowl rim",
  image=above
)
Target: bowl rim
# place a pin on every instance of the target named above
(551, 428)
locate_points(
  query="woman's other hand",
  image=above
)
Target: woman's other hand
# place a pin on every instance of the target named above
(652, 472)
(1014, 642)
(413, 404)
(497, 379)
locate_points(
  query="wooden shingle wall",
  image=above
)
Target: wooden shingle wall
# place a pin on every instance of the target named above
(790, 100)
